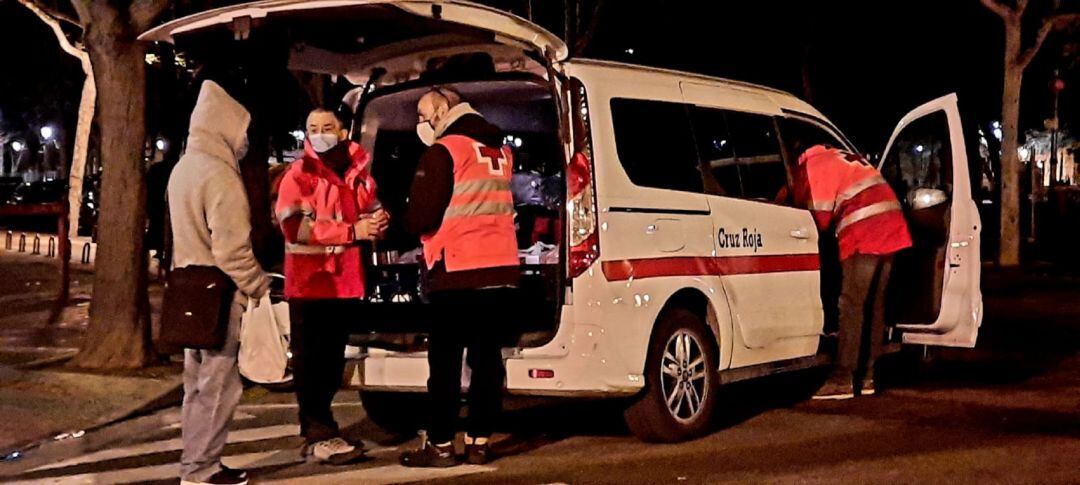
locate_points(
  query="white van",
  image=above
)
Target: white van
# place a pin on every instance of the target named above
(676, 261)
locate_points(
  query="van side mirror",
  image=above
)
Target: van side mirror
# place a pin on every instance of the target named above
(925, 198)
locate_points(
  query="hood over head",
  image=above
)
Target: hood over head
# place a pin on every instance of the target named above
(219, 124)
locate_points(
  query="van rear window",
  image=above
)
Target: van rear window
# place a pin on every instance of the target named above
(656, 144)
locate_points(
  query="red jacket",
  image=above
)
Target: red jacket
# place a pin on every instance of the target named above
(848, 195)
(317, 210)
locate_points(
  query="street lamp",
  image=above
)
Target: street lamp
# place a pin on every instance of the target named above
(17, 146)
(161, 144)
(47, 132)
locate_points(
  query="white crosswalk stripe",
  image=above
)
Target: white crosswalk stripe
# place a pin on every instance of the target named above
(383, 475)
(166, 472)
(237, 436)
(368, 473)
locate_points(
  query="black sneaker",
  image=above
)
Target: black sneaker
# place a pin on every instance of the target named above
(226, 476)
(477, 454)
(239, 473)
(430, 455)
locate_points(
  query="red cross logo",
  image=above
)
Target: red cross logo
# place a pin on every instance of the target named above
(493, 157)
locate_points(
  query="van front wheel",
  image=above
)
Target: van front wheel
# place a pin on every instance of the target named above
(681, 381)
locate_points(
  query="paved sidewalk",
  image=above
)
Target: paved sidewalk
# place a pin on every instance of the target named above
(41, 399)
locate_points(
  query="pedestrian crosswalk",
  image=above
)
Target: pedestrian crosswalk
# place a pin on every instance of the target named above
(259, 443)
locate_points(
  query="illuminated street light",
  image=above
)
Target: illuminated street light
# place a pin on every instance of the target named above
(47, 132)
(161, 144)
(298, 134)
(17, 146)
(919, 148)
(997, 133)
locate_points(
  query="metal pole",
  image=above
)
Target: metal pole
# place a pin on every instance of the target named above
(1054, 144)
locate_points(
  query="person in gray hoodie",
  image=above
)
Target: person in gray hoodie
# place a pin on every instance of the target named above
(211, 226)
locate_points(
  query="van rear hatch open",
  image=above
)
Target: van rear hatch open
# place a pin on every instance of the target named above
(354, 37)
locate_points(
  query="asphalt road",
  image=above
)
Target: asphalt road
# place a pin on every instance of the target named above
(1005, 412)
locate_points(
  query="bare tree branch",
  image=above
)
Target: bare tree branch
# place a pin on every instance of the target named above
(58, 15)
(1002, 10)
(1021, 7)
(83, 10)
(74, 49)
(585, 37)
(1049, 24)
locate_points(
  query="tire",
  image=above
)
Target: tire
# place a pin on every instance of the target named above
(690, 375)
(396, 413)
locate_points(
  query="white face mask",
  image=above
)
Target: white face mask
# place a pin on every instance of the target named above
(323, 142)
(426, 132)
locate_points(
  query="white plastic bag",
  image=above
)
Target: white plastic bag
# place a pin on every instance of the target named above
(264, 342)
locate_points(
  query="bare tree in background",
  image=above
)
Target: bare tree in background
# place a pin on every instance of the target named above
(55, 20)
(580, 19)
(1017, 59)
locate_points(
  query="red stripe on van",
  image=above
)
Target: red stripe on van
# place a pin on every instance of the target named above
(700, 266)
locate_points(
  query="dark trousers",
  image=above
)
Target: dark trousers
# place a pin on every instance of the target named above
(864, 280)
(476, 321)
(318, 346)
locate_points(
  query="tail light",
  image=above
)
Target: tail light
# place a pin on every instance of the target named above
(584, 239)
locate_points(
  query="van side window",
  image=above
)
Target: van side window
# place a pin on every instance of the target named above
(920, 158)
(741, 154)
(655, 144)
(799, 135)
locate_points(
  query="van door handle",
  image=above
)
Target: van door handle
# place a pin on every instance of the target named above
(800, 233)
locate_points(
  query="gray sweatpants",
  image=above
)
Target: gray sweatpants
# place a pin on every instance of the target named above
(862, 313)
(212, 390)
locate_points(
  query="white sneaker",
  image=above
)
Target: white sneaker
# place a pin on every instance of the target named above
(335, 451)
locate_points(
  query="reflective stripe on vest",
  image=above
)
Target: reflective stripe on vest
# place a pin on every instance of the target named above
(292, 248)
(867, 212)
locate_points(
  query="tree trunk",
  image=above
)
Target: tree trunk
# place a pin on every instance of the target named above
(82, 145)
(1009, 249)
(119, 333)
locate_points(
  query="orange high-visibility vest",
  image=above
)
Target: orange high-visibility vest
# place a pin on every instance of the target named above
(477, 230)
(850, 196)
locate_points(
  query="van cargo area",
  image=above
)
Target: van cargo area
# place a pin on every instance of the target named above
(396, 315)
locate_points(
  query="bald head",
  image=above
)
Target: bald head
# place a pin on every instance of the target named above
(434, 104)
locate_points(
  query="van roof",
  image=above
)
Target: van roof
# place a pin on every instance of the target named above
(783, 99)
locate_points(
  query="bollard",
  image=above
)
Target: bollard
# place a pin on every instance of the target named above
(22, 243)
(86, 253)
(52, 247)
(36, 249)
(7, 241)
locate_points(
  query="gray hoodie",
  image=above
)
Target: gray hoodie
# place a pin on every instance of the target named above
(208, 205)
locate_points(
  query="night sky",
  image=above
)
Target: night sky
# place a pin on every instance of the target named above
(870, 62)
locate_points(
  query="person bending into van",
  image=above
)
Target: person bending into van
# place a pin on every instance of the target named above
(461, 205)
(211, 226)
(326, 204)
(849, 196)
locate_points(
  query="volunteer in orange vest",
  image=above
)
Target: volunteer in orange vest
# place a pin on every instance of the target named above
(848, 196)
(326, 204)
(461, 205)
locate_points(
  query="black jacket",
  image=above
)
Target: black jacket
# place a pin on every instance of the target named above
(429, 196)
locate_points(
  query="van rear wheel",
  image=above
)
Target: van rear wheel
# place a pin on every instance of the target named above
(394, 412)
(681, 381)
